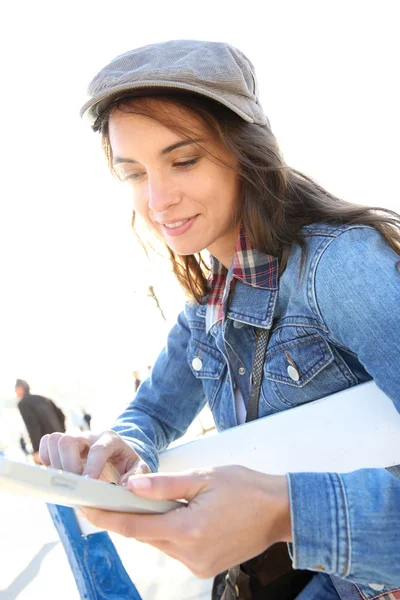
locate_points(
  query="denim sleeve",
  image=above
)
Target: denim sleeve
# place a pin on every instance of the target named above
(166, 403)
(349, 524)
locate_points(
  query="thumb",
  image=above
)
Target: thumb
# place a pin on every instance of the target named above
(169, 486)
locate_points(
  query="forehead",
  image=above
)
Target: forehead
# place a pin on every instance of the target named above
(155, 115)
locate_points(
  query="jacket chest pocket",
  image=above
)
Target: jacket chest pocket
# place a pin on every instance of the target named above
(303, 370)
(206, 364)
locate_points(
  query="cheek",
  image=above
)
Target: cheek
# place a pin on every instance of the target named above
(140, 206)
(139, 203)
(227, 203)
(234, 195)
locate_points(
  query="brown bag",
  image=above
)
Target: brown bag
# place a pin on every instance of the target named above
(269, 575)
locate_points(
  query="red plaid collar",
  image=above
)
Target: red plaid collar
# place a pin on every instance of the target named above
(249, 266)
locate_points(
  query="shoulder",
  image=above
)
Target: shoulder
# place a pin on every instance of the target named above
(25, 405)
(26, 400)
(39, 399)
(329, 245)
(315, 239)
(357, 253)
(322, 235)
(342, 269)
(343, 249)
(325, 230)
(357, 273)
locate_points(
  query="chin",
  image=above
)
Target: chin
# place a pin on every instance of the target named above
(186, 250)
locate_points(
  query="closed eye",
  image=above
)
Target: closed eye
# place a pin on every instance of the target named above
(133, 176)
(186, 163)
(179, 164)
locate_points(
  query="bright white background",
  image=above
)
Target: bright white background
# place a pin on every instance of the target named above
(74, 317)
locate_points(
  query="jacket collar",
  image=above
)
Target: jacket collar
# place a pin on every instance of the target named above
(247, 290)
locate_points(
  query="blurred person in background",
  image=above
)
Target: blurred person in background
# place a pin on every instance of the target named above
(40, 415)
(23, 446)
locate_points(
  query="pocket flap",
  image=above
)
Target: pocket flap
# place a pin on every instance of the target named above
(204, 362)
(295, 363)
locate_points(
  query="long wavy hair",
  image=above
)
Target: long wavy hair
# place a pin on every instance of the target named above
(276, 201)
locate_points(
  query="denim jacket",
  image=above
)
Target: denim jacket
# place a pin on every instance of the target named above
(335, 325)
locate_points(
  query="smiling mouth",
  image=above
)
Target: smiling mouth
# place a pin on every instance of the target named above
(176, 224)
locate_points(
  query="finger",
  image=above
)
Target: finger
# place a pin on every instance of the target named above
(44, 450)
(52, 445)
(108, 445)
(140, 468)
(72, 451)
(97, 518)
(138, 527)
(145, 528)
(110, 474)
(167, 486)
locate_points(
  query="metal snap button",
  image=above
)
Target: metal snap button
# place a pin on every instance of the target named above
(238, 324)
(378, 587)
(242, 371)
(293, 373)
(197, 363)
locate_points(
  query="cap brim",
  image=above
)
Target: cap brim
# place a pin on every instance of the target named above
(94, 107)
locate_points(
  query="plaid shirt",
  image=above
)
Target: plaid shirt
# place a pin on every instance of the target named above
(249, 266)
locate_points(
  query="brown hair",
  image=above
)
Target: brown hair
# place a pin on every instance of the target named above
(276, 200)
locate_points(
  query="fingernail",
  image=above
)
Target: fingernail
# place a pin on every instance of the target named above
(139, 483)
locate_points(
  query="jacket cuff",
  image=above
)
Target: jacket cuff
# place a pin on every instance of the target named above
(320, 523)
(150, 459)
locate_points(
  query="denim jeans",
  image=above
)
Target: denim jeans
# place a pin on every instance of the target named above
(319, 588)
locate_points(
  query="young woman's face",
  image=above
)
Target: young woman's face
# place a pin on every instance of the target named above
(184, 196)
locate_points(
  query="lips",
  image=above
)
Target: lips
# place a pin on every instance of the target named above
(174, 228)
(175, 224)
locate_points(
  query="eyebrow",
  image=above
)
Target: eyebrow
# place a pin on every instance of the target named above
(167, 150)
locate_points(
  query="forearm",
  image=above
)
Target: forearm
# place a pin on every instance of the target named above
(347, 525)
(166, 403)
(143, 434)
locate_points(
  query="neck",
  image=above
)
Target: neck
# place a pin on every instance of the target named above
(224, 249)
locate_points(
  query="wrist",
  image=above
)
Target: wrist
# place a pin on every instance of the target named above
(277, 509)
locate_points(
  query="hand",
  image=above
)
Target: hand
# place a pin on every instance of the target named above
(103, 456)
(233, 514)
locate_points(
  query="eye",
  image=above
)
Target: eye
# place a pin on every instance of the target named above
(130, 177)
(186, 163)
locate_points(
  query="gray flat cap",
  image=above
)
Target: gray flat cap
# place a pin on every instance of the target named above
(213, 69)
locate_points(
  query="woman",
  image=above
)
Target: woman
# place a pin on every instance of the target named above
(300, 302)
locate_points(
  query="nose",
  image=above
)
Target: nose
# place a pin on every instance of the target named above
(161, 193)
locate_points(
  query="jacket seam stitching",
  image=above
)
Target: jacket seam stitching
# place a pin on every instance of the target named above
(315, 308)
(347, 568)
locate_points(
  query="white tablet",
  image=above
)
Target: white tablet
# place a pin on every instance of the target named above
(60, 487)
